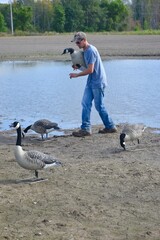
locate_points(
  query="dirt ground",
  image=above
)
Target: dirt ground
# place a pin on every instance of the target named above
(51, 47)
(101, 193)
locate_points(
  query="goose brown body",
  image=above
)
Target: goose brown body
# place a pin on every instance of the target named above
(131, 132)
(32, 159)
(42, 126)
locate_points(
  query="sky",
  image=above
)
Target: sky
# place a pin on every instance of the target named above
(4, 1)
(7, 1)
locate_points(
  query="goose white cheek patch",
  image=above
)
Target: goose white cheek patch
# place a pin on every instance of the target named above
(18, 125)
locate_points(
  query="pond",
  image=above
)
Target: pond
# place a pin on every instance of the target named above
(42, 89)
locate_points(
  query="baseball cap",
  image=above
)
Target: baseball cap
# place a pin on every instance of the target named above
(79, 36)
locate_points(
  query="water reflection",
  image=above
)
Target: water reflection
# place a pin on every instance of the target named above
(33, 90)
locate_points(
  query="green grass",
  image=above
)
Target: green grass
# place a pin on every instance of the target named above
(139, 32)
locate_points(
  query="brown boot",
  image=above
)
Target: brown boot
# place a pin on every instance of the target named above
(108, 130)
(81, 133)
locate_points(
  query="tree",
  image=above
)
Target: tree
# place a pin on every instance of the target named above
(74, 15)
(22, 17)
(104, 5)
(3, 27)
(146, 13)
(43, 15)
(92, 13)
(84, 15)
(116, 14)
(58, 18)
(155, 17)
(5, 11)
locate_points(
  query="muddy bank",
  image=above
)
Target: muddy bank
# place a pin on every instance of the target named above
(51, 47)
(101, 192)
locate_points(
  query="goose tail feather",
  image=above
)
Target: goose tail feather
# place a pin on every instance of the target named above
(55, 163)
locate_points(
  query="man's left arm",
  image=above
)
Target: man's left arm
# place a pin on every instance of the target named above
(87, 71)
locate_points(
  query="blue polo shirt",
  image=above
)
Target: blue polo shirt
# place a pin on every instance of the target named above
(98, 78)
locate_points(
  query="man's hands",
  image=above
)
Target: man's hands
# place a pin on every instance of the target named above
(75, 67)
(73, 75)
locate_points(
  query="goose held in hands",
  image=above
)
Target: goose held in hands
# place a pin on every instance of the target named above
(77, 57)
(32, 159)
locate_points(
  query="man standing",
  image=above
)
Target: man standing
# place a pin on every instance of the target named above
(94, 90)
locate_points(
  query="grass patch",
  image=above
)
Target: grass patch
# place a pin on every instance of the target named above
(139, 32)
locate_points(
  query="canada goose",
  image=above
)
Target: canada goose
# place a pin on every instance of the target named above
(77, 57)
(130, 133)
(32, 160)
(42, 126)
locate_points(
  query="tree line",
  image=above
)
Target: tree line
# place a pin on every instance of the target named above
(146, 14)
(87, 15)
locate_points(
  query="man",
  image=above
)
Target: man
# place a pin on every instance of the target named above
(94, 90)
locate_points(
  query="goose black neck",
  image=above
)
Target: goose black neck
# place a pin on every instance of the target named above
(18, 143)
(27, 128)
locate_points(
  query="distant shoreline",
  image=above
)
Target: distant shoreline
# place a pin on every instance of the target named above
(51, 47)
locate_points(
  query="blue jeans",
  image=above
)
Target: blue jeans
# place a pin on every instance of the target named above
(98, 95)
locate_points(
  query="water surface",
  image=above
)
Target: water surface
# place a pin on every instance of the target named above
(33, 90)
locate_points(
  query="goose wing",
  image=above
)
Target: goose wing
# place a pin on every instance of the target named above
(133, 131)
(45, 124)
(40, 159)
(41, 123)
(52, 125)
(139, 127)
(127, 129)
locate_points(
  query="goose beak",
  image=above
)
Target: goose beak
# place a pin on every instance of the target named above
(14, 125)
(11, 125)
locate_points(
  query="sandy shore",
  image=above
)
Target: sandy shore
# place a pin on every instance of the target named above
(51, 47)
(101, 192)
